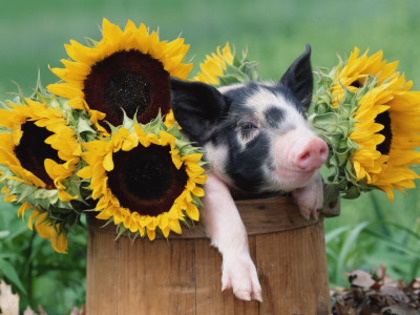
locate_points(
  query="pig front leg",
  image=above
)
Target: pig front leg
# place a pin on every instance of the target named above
(227, 232)
(310, 198)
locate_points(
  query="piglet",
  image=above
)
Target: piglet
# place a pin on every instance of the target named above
(257, 140)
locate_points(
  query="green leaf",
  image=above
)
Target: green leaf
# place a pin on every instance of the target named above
(8, 255)
(10, 273)
(23, 191)
(400, 228)
(393, 244)
(120, 230)
(84, 126)
(44, 197)
(4, 234)
(334, 234)
(347, 247)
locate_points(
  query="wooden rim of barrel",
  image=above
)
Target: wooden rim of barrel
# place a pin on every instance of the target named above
(260, 216)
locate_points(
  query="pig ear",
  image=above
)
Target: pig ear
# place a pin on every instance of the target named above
(197, 107)
(299, 79)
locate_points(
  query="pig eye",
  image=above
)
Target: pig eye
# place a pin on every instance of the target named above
(248, 127)
(248, 130)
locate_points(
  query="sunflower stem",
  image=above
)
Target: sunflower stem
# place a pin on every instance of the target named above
(379, 214)
(29, 269)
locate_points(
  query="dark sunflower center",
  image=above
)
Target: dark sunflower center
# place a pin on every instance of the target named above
(129, 91)
(128, 81)
(145, 180)
(385, 120)
(356, 84)
(32, 151)
(151, 180)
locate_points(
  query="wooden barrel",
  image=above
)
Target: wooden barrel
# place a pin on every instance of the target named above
(182, 275)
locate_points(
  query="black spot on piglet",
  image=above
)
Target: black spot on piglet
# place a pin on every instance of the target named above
(274, 116)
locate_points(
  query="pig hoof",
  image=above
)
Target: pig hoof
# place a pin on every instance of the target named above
(240, 274)
(309, 206)
(308, 212)
(310, 198)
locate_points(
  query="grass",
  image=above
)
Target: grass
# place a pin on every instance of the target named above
(369, 231)
(372, 231)
(40, 275)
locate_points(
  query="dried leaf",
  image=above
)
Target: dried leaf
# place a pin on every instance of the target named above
(29, 311)
(399, 309)
(414, 285)
(379, 294)
(9, 302)
(76, 311)
(400, 284)
(361, 279)
(389, 282)
(344, 309)
(41, 310)
(381, 272)
(393, 292)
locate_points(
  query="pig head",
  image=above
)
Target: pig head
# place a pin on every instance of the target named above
(257, 140)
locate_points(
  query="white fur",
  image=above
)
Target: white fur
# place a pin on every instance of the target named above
(227, 232)
(226, 88)
(217, 155)
(220, 215)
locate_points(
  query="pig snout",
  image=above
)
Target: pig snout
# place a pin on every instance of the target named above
(312, 155)
(299, 153)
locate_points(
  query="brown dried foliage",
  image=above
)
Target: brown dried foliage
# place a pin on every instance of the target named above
(376, 293)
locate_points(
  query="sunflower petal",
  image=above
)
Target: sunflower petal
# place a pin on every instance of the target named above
(108, 162)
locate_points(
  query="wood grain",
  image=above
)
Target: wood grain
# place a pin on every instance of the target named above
(260, 216)
(183, 275)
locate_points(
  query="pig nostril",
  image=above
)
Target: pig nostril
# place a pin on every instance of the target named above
(305, 156)
(313, 156)
(304, 160)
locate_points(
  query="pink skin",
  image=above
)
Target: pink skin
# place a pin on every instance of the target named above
(313, 155)
(298, 155)
(297, 171)
(298, 166)
(227, 232)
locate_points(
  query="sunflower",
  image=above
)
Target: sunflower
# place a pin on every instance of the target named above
(39, 155)
(37, 147)
(213, 66)
(45, 227)
(224, 68)
(359, 68)
(371, 120)
(127, 70)
(387, 133)
(145, 178)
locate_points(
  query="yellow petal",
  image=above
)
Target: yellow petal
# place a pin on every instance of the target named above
(151, 234)
(59, 243)
(175, 226)
(23, 208)
(65, 197)
(108, 162)
(193, 212)
(85, 172)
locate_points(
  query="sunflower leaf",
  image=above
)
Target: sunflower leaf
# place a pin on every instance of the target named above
(120, 231)
(114, 129)
(84, 126)
(23, 191)
(45, 197)
(10, 273)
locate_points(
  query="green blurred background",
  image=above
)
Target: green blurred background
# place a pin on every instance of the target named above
(32, 33)
(370, 230)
